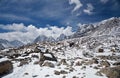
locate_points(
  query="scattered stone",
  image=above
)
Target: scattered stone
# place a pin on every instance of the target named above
(64, 77)
(100, 50)
(71, 69)
(67, 68)
(78, 63)
(71, 44)
(95, 60)
(36, 62)
(84, 73)
(63, 61)
(34, 76)
(36, 50)
(35, 56)
(91, 66)
(49, 64)
(56, 72)
(98, 73)
(6, 67)
(23, 63)
(92, 61)
(113, 50)
(26, 73)
(1, 56)
(74, 77)
(60, 72)
(47, 75)
(95, 67)
(105, 63)
(83, 67)
(63, 72)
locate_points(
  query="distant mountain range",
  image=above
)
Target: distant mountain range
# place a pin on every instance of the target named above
(43, 38)
(109, 27)
(6, 44)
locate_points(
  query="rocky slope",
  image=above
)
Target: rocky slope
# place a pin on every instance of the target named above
(109, 27)
(94, 53)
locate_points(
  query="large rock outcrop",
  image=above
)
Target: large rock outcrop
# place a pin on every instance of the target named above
(6, 67)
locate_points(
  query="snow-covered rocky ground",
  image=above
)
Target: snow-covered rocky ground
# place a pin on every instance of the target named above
(95, 55)
(79, 61)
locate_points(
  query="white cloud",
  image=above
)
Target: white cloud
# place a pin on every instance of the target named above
(104, 1)
(77, 3)
(15, 27)
(89, 9)
(29, 33)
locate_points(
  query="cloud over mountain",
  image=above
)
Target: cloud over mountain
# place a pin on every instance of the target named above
(29, 33)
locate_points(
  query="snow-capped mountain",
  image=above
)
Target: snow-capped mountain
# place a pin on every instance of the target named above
(7, 44)
(16, 43)
(107, 27)
(1, 47)
(43, 38)
(83, 30)
(61, 37)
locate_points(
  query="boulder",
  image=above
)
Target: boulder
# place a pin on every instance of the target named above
(71, 44)
(56, 72)
(98, 73)
(111, 72)
(48, 64)
(36, 50)
(23, 63)
(75, 77)
(63, 61)
(60, 72)
(63, 72)
(46, 56)
(116, 63)
(100, 50)
(6, 67)
(78, 63)
(105, 63)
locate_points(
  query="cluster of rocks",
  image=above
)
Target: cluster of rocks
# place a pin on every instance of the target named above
(101, 63)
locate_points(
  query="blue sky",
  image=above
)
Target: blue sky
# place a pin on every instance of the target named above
(56, 13)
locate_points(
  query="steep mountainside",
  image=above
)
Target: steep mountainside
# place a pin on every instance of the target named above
(107, 27)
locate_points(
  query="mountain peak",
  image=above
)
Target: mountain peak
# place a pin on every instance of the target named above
(106, 27)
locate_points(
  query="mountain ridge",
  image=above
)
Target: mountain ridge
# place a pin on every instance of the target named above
(7, 44)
